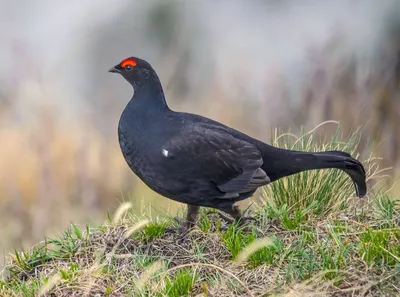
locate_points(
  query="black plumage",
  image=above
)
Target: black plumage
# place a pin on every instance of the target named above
(200, 162)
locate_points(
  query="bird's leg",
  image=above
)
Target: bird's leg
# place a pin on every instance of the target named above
(191, 218)
(187, 224)
(193, 212)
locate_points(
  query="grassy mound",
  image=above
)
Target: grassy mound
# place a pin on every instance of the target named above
(311, 237)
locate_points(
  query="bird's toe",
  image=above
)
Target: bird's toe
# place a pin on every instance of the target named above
(226, 217)
(183, 235)
(182, 230)
(179, 220)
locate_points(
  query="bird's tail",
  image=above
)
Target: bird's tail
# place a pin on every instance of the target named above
(344, 161)
(296, 162)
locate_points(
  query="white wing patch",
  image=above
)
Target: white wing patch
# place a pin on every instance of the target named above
(165, 153)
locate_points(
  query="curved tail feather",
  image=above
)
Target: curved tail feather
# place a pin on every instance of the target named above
(281, 163)
(344, 161)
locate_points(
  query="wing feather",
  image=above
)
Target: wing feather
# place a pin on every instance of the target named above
(206, 156)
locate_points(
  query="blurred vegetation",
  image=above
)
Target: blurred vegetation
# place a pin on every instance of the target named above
(56, 168)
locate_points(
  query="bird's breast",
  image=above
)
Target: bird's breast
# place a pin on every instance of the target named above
(139, 148)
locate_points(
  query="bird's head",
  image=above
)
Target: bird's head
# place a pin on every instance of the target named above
(134, 70)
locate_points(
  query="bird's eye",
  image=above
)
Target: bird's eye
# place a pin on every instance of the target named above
(128, 64)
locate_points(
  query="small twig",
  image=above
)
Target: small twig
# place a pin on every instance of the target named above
(359, 224)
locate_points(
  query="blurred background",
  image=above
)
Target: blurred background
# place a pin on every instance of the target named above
(252, 64)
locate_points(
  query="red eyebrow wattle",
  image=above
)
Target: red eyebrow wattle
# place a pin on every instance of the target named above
(128, 61)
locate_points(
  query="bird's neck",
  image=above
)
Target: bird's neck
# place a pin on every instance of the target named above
(149, 96)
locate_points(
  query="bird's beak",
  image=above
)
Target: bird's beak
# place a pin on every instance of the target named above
(114, 70)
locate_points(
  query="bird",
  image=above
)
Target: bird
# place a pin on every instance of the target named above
(200, 162)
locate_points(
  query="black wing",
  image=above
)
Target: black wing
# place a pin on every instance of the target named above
(207, 157)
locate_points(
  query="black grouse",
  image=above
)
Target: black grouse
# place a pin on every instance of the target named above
(200, 162)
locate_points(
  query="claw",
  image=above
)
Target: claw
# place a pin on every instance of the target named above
(171, 230)
(179, 220)
(183, 235)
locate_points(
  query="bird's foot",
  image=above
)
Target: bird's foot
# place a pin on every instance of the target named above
(179, 220)
(176, 230)
(183, 230)
(226, 217)
(241, 220)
